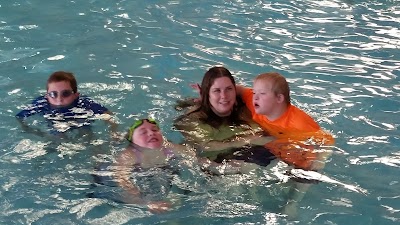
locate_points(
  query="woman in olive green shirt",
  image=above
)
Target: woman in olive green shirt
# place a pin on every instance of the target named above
(219, 125)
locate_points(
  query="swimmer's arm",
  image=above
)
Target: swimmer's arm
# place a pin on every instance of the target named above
(109, 119)
(29, 129)
(237, 142)
(124, 166)
(301, 153)
(220, 145)
(261, 139)
(122, 172)
(240, 90)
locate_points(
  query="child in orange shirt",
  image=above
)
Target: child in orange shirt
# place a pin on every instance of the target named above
(297, 134)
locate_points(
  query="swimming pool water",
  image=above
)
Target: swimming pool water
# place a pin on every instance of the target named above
(138, 57)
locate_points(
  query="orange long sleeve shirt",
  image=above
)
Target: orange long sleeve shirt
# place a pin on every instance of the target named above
(294, 130)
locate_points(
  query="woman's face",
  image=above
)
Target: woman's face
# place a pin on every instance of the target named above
(222, 96)
(148, 135)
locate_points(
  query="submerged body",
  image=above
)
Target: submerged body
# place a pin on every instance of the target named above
(81, 112)
(146, 167)
(63, 107)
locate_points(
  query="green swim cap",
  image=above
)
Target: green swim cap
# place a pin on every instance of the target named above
(138, 123)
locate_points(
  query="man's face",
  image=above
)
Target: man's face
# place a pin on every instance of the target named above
(60, 94)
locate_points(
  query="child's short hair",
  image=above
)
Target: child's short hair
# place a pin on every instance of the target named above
(278, 83)
(63, 76)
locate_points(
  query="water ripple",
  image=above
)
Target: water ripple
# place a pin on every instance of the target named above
(137, 57)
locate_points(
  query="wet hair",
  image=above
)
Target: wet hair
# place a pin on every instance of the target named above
(279, 85)
(207, 114)
(60, 76)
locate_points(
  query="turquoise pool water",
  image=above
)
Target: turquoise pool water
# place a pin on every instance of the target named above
(342, 59)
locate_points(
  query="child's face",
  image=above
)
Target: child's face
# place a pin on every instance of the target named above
(264, 100)
(222, 96)
(148, 135)
(60, 94)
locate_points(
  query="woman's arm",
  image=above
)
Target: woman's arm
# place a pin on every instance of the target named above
(205, 137)
(237, 142)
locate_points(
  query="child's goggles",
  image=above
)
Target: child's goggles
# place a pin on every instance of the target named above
(137, 124)
(63, 93)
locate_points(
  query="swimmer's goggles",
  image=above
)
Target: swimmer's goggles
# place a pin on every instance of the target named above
(63, 93)
(137, 124)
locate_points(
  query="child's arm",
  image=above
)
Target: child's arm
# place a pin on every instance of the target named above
(29, 129)
(308, 150)
(35, 107)
(102, 113)
(122, 173)
(240, 90)
(110, 120)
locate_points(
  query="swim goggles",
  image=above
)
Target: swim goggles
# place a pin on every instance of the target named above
(137, 124)
(63, 93)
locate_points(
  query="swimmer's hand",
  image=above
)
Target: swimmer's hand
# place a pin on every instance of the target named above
(196, 87)
(159, 206)
(118, 136)
(131, 197)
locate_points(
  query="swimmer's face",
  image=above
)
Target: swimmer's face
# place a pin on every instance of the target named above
(148, 135)
(222, 96)
(265, 101)
(60, 94)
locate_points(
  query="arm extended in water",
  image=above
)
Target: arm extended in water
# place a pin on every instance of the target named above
(123, 170)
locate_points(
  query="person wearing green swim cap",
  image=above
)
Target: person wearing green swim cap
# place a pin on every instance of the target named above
(148, 133)
(148, 150)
